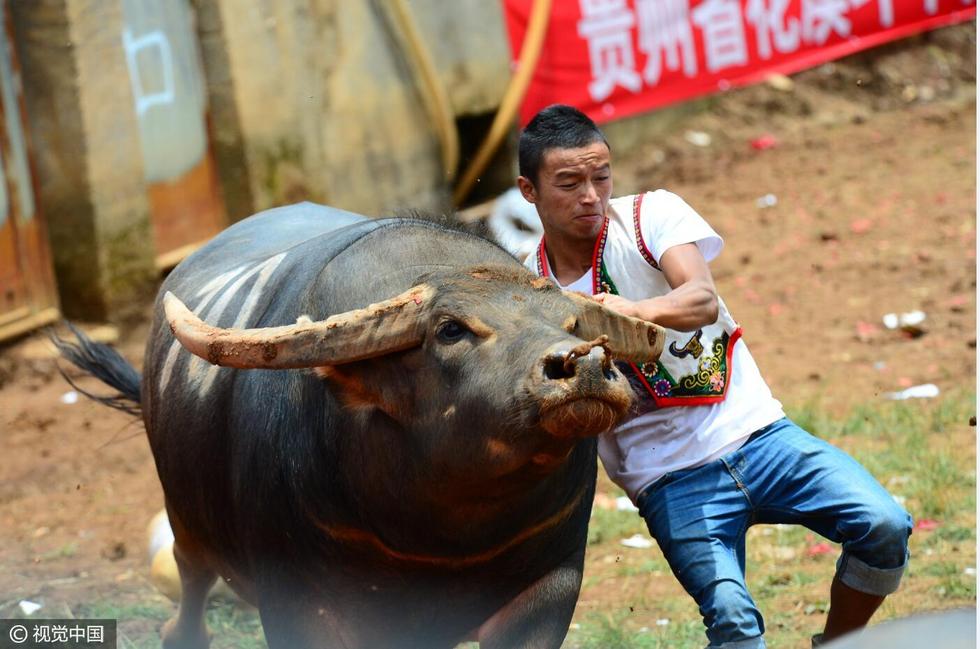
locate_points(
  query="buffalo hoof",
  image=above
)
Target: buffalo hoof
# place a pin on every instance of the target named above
(174, 636)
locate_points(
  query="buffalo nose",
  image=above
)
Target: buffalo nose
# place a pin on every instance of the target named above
(591, 357)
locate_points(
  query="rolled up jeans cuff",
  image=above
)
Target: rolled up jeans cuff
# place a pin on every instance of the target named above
(757, 642)
(860, 576)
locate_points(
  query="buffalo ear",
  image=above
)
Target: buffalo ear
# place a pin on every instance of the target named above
(353, 386)
(347, 387)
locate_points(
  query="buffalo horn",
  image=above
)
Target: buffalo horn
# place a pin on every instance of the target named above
(630, 339)
(382, 328)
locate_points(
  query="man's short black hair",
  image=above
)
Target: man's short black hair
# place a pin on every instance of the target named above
(556, 127)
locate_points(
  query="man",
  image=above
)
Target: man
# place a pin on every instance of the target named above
(707, 452)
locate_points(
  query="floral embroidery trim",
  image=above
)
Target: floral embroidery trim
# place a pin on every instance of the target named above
(638, 232)
(601, 281)
(661, 388)
(710, 382)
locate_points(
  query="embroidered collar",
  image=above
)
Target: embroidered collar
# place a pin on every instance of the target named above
(597, 251)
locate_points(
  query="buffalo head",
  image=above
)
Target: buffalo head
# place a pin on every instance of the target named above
(490, 357)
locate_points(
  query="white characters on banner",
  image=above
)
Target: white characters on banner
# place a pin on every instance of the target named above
(724, 33)
(886, 11)
(666, 37)
(607, 25)
(820, 17)
(665, 34)
(931, 7)
(773, 27)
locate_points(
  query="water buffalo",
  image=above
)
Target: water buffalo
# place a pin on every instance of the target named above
(394, 442)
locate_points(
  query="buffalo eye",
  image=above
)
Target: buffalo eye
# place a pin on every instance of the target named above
(450, 331)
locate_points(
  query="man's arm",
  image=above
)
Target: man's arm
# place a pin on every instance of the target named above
(691, 304)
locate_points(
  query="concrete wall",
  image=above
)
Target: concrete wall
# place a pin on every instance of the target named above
(87, 154)
(306, 100)
(325, 106)
(468, 41)
(227, 140)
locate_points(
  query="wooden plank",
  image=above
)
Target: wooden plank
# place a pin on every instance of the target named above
(14, 314)
(23, 325)
(170, 259)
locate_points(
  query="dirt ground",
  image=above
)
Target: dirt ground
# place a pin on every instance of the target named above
(872, 211)
(875, 206)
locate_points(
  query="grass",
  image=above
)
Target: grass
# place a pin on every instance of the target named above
(611, 631)
(924, 452)
(66, 551)
(608, 525)
(232, 626)
(909, 443)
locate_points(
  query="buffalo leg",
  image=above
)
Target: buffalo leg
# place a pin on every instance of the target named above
(292, 620)
(187, 630)
(540, 615)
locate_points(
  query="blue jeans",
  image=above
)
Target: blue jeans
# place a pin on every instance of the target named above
(782, 474)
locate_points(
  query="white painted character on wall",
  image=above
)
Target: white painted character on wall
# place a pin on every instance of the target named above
(167, 80)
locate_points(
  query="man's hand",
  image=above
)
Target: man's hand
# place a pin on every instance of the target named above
(691, 303)
(618, 304)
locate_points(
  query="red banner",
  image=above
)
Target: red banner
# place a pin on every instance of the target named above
(614, 58)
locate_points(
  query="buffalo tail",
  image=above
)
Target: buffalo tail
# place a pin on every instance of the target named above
(104, 363)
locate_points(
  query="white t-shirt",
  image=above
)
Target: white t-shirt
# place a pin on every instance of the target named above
(653, 442)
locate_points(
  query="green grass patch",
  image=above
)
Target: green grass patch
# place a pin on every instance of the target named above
(957, 587)
(613, 525)
(124, 612)
(949, 534)
(889, 420)
(906, 445)
(613, 631)
(235, 627)
(656, 564)
(66, 551)
(941, 569)
(138, 623)
(923, 451)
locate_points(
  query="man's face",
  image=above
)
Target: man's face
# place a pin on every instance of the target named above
(572, 191)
